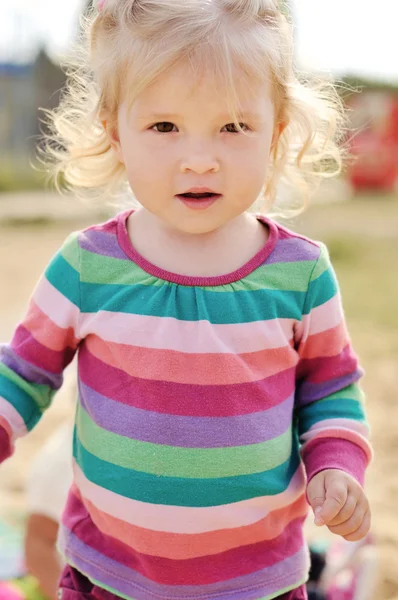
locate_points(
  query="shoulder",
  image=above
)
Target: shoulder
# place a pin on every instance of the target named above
(301, 258)
(295, 247)
(102, 238)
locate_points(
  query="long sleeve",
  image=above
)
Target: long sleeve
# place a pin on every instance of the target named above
(329, 402)
(43, 344)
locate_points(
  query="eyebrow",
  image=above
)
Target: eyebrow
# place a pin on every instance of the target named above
(173, 117)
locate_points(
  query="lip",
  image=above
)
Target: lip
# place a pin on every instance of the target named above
(199, 190)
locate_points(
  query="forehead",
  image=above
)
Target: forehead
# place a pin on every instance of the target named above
(183, 88)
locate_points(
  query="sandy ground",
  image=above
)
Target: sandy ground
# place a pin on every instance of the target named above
(25, 250)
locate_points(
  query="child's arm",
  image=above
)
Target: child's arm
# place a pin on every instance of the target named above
(329, 404)
(43, 344)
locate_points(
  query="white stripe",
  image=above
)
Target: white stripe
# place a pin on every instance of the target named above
(180, 519)
(56, 306)
(166, 333)
(13, 417)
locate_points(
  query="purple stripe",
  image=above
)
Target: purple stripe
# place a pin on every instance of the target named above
(27, 371)
(184, 399)
(310, 392)
(102, 242)
(293, 250)
(186, 432)
(288, 573)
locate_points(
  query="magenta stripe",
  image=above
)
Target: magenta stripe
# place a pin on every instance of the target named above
(244, 271)
(264, 582)
(335, 453)
(186, 432)
(27, 371)
(320, 369)
(35, 353)
(184, 399)
(225, 565)
(6, 447)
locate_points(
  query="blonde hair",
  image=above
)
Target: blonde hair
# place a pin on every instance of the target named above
(129, 43)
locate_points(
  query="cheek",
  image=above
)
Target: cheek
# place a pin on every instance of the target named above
(145, 156)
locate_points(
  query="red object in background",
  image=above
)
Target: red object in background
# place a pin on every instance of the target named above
(374, 144)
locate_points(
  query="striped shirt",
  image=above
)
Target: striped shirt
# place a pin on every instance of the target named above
(204, 405)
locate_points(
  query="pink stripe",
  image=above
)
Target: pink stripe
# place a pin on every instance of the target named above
(342, 434)
(198, 369)
(7, 427)
(327, 343)
(180, 519)
(47, 332)
(187, 546)
(337, 424)
(323, 369)
(182, 399)
(12, 417)
(56, 306)
(222, 566)
(28, 348)
(324, 317)
(201, 337)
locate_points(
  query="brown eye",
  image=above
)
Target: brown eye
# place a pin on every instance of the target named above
(164, 127)
(231, 127)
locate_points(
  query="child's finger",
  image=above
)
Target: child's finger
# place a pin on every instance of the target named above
(346, 512)
(362, 531)
(316, 495)
(352, 524)
(336, 497)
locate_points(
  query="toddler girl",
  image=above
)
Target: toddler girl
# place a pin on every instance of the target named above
(218, 391)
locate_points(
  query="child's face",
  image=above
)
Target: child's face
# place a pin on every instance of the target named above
(194, 145)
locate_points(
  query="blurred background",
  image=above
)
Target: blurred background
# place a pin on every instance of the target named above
(356, 215)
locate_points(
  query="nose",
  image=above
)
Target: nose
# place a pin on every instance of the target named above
(200, 160)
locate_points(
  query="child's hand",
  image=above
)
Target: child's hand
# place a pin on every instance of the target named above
(339, 502)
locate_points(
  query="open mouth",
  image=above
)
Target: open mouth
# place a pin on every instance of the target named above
(204, 195)
(198, 200)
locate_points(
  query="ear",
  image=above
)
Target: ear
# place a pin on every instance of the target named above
(112, 132)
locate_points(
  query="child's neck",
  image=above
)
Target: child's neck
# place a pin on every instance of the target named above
(204, 255)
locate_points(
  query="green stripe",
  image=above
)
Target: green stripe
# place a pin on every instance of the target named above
(71, 251)
(65, 278)
(40, 393)
(20, 399)
(187, 304)
(323, 263)
(174, 491)
(290, 276)
(351, 392)
(320, 291)
(173, 461)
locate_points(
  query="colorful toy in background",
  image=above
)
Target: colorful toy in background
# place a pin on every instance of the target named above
(15, 583)
(343, 570)
(11, 551)
(374, 143)
(22, 589)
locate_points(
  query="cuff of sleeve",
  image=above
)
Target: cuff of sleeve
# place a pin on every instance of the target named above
(335, 453)
(6, 448)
